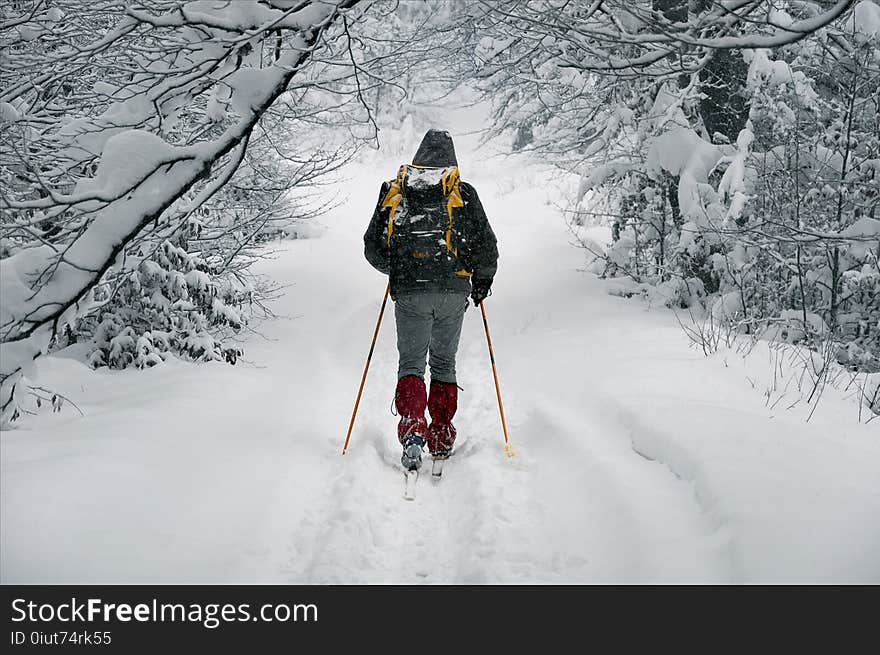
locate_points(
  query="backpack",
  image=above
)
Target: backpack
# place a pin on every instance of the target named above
(421, 233)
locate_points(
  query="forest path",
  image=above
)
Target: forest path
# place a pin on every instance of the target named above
(576, 503)
(637, 458)
(215, 473)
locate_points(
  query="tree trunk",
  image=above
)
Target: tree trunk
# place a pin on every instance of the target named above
(724, 108)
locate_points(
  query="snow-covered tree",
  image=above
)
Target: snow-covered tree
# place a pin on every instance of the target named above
(121, 122)
(732, 145)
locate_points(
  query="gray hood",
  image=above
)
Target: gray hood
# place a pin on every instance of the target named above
(436, 150)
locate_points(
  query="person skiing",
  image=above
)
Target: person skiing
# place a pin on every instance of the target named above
(430, 235)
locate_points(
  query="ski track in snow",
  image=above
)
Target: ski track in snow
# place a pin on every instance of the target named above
(220, 474)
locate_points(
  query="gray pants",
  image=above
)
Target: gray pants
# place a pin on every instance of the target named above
(429, 323)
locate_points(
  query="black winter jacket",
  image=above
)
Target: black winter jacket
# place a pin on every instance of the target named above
(476, 251)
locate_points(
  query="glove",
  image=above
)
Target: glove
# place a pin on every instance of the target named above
(480, 290)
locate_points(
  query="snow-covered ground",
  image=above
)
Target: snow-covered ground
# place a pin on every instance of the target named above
(637, 459)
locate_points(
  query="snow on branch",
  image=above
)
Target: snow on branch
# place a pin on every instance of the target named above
(108, 133)
(653, 38)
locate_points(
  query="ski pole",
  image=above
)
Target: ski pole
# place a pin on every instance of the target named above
(366, 367)
(507, 448)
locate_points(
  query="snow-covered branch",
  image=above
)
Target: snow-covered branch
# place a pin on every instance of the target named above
(119, 129)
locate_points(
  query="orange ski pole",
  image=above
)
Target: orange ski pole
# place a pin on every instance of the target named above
(366, 368)
(507, 448)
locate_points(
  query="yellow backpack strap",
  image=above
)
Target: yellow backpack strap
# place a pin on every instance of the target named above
(449, 181)
(393, 198)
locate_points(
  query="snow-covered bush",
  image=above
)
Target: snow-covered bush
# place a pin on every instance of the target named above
(171, 303)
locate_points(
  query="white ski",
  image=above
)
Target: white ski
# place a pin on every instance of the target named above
(437, 468)
(409, 490)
